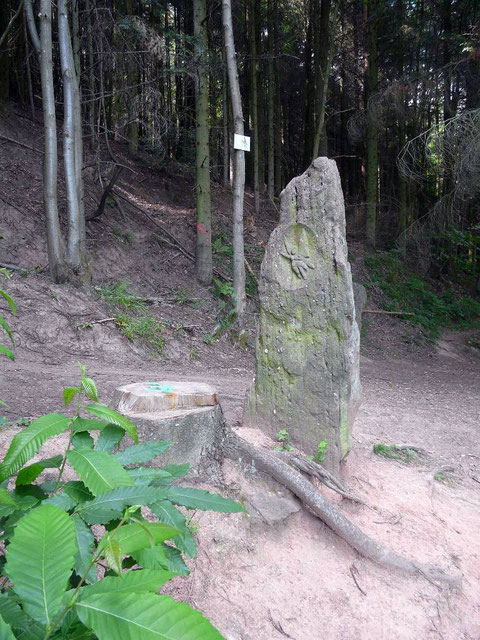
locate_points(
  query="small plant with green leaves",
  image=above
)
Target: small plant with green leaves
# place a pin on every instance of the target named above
(12, 308)
(184, 295)
(220, 247)
(222, 289)
(283, 437)
(63, 575)
(146, 329)
(394, 452)
(321, 451)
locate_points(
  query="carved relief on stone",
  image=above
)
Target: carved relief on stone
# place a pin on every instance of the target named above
(298, 250)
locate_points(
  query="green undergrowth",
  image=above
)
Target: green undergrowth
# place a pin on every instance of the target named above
(131, 317)
(407, 291)
(394, 452)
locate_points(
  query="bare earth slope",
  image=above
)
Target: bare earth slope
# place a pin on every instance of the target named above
(254, 579)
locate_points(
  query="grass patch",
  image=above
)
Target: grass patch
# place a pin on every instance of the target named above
(394, 452)
(117, 295)
(131, 318)
(146, 329)
(407, 291)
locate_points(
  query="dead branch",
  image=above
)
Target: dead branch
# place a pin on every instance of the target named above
(389, 313)
(353, 572)
(88, 323)
(106, 192)
(237, 448)
(20, 144)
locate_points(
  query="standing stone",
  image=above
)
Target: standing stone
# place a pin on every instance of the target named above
(307, 352)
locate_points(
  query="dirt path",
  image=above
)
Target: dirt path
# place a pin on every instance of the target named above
(295, 579)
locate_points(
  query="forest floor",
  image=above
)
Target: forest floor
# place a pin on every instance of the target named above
(257, 579)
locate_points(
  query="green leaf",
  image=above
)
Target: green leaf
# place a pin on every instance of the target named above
(69, 394)
(11, 612)
(176, 472)
(6, 498)
(3, 323)
(6, 352)
(32, 631)
(87, 424)
(30, 473)
(6, 632)
(26, 443)
(145, 476)
(203, 500)
(85, 542)
(162, 556)
(90, 388)
(150, 617)
(82, 440)
(109, 438)
(140, 453)
(98, 470)
(62, 500)
(113, 555)
(78, 491)
(112, 504)
(136, 536)
(167, 513)
(40, 559)
(104, 412)
(10, 301)
(139, 581)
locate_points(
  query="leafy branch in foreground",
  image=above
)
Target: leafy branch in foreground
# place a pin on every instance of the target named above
(61, 578)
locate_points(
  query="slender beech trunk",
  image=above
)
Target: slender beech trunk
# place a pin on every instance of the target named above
(4, 53)
(271, 104)
(372, 8)
(309, 88)
(252, 23)
(203, 262)
(43, 46)
(91, 76)
(70, 139)
(278, 107)
(238, 164)
(226, 137)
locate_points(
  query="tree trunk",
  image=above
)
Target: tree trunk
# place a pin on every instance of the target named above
(271, 104)
(371, 80)
(132, 91)
(43, 46)
(203, 262)
(71, 138)
(238, 165)
(4, 54)
(226, 137)
(324, 50)
(254, 99)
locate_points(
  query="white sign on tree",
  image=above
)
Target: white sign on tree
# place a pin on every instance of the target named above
(241, 142)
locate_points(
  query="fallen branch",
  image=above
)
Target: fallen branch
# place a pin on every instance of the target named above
(21, 144)
(13, 267)
(237, 449)
(89, 323)
(106, 192)
(389, 313)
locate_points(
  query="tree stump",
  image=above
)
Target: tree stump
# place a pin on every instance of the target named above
(185, 414)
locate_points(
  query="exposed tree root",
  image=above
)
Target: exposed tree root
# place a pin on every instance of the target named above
(236, 448)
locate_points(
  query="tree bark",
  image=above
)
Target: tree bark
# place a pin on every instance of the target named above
(271, 103)
(203, 263)
(71, 138)
(43, 46)
(238, 165)
(254, 99)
